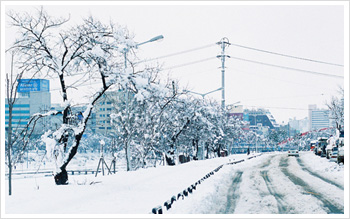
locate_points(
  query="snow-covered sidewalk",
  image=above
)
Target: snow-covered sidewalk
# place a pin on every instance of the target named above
(135, 192)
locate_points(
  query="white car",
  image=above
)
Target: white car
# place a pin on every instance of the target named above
(293, 153)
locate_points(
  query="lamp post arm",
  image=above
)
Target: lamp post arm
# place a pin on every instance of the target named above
(151, 40)
(194, 93)
(213, 91)
(203, 95)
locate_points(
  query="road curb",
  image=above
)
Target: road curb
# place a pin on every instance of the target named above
(189, 190)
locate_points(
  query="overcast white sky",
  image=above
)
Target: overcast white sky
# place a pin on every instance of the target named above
(307, 31)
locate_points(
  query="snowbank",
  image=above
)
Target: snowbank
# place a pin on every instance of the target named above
(134, 192)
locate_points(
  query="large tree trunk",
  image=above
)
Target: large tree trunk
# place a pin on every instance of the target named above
(196, 145)
(61, 178)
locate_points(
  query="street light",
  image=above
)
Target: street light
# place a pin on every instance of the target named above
(125, 51)
(203, 95)
(151, 40)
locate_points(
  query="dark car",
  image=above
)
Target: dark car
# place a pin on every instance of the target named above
(321, 145)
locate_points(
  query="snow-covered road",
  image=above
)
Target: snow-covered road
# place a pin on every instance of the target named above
(272, 183)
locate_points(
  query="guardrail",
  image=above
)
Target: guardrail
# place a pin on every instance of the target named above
(189, 190)
(70, 172)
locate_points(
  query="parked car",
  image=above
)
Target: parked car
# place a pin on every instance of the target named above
(329, 150)
(293, 152)
(340, 158)
(334, 155)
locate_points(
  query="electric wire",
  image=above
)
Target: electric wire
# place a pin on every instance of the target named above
(284, 97)
(81, 85)
(285, 55)
(272, 107)
(287, 68)
(189, 63)
(177, 53)
(273, 78)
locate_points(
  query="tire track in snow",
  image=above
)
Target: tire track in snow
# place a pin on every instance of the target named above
(319, 176)
(330, 207)
(281, 205)
(266, 164)
(232, 195)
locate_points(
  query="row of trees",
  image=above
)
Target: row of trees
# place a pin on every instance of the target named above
(155, 120)
(160, 121)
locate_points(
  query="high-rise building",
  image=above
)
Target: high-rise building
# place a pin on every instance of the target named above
(318, 118)
(33, 97)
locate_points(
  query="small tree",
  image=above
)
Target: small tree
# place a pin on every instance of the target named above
(11, 96)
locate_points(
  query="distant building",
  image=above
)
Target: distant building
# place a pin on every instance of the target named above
(318, 118)
(260, 120)
(262, 116)
(56, 121)
(236, 111)
(300, 126)
(33, 97)
(104, 108)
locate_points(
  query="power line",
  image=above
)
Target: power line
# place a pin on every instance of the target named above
(289, 56)
(288, 68)
(189, 63)
(177, 53)
(286, 81)
(80, 85)
(283, 97)
(289, 108)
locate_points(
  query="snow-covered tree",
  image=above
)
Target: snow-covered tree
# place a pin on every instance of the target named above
(276, 136)
(48, 47)
(336, 107)
(139, 119)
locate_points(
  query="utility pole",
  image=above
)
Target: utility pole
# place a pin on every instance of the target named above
(224, 42)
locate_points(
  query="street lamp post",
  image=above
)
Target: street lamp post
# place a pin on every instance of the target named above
(203, 95)
(256, 135)
(125, 51)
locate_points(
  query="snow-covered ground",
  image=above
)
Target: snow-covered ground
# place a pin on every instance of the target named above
(249, 187)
